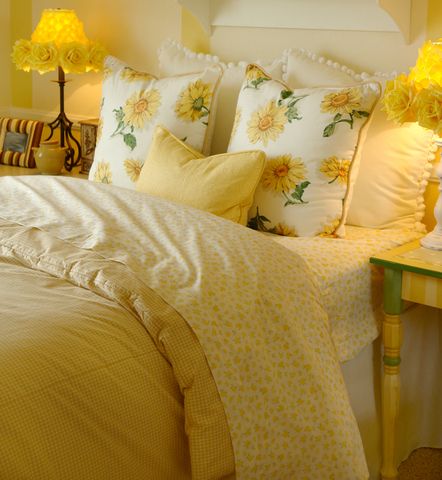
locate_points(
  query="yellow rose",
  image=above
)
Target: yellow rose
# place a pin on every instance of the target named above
(398, 99)
(74, 57)
(428, 105)
(21, 53)
(427, 66)
(97, 53)
(44, 57)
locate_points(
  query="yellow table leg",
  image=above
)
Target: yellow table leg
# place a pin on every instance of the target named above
(392, 339)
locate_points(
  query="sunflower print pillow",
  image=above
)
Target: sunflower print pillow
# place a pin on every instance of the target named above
(134, 103)
(310, 136)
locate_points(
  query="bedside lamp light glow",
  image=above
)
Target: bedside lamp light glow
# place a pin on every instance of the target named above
(418, 98)
(60, 43)
(59, 26)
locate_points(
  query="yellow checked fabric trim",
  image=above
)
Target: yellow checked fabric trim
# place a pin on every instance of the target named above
(208, 437)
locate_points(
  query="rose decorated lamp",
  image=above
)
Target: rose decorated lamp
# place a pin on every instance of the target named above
(59, 42)
(418, 98)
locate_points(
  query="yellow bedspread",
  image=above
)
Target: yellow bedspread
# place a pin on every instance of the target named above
(80, 388)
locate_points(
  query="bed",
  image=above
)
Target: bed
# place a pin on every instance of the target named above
(147, 335)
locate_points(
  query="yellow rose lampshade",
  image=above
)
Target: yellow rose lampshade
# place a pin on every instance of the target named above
(59, 26)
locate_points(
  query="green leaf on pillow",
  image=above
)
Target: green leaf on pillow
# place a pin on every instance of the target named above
(257, 222)
(119, 114)
(130, 140)
(296, 196)
(285, 94)
(329, 130)
(292, 112)
(339, 118)
(360, 113)
(198, 104)
(256, 82)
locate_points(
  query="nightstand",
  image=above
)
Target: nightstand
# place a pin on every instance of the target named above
(411, 274)
(88, 130)
(10, 170)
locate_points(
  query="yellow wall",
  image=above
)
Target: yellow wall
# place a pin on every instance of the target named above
(434, 31)
(20, 27)
(5, 81)
(434, 22)
(131, 30)
(193, 35)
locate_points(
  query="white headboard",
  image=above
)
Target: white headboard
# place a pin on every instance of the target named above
(368, 35)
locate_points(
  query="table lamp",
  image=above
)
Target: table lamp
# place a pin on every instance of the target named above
(59, 42)
(418, 98)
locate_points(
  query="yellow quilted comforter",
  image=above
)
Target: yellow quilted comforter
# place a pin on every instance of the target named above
(142, 339)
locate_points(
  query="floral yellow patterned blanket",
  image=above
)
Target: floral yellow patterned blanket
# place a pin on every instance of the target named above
(251, 304)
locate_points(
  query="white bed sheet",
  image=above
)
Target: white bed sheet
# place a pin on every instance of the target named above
(352, 293)
(351, 287)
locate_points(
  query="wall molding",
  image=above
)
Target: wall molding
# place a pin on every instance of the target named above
(400, 12)
(347, 15)
(43, 116)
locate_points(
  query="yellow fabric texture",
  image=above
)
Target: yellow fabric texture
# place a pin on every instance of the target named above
(222, 184)
(86, 392)
(252, 305)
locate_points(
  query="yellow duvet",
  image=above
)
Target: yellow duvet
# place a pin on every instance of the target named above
(140, 339)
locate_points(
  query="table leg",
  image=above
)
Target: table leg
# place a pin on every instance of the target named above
(392, 341)
(392, 338)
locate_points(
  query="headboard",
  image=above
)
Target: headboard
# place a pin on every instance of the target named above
(348, 31)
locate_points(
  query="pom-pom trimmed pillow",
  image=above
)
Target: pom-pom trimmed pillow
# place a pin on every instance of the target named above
(395, 160)
(175, 59)
(222, 184)
(310, 138)
(133, 103)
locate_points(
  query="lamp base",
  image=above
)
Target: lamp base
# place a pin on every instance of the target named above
(72, 159)
(65, 125)
(433, 240)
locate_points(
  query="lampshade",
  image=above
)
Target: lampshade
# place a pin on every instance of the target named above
(59, 26)
(58, 41)
(428, 68)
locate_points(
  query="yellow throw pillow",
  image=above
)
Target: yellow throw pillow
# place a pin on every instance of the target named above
(222, 184)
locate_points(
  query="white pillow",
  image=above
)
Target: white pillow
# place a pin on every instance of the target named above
(310, 137)
(134, 103)
(395, 161)
(174, 59)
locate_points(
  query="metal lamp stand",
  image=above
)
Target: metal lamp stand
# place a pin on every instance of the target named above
(65, 125)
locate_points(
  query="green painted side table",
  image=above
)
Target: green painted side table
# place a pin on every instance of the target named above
(414, 274)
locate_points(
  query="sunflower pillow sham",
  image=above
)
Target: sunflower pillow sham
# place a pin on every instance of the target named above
(134, 103)
(310, 138)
